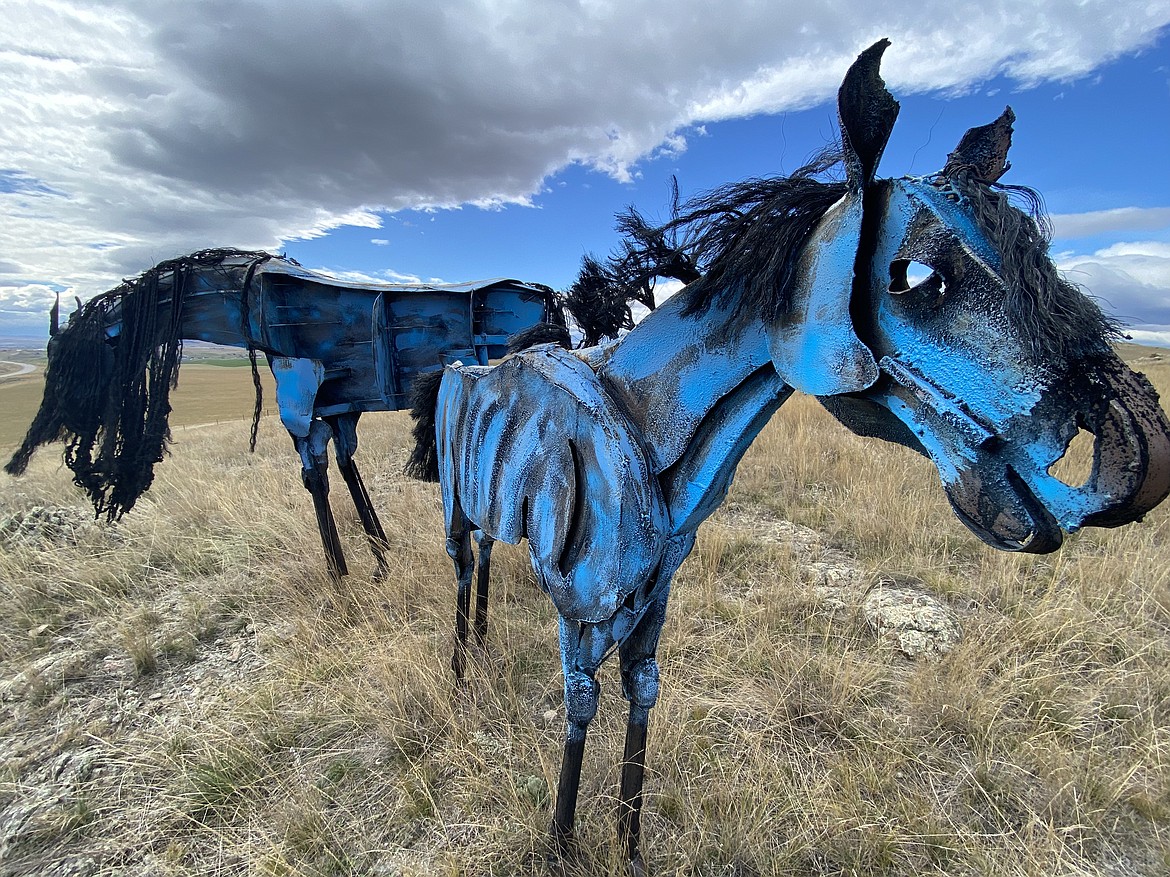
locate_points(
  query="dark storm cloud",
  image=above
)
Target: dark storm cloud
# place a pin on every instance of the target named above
(136, 130)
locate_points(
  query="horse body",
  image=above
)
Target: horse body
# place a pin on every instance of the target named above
(584, 476)
(335, 349)
(371, 339)
(989, 366)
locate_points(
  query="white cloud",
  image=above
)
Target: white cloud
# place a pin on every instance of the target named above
(1132, 280)
(663, 290)
(1119, 219)
(386, 276)
(1158, 336)
(138, 130)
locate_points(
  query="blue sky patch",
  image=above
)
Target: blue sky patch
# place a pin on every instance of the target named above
(12, 181)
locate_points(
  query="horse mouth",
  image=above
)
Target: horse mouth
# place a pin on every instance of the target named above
(1003, 512)
(1002, 484)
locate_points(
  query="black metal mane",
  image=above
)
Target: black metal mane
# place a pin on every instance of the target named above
(1055, 318)
(747, 238)
(110, 403)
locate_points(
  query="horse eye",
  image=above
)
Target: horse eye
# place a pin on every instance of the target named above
(907, 275)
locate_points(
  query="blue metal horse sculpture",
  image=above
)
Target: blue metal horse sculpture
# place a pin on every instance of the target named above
(608, 459)
(335, 349)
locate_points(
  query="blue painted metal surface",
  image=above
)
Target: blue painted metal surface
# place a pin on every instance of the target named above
(536, 448)
(609, 459)
(336, 350)
(373, 339)
(813, 345)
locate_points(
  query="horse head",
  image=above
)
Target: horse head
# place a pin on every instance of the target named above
(990, 362)
(100, 400)
(78, 369)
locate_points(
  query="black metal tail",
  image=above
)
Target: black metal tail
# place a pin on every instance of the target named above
(424, 396)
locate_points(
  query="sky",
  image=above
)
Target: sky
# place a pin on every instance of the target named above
(414, 140)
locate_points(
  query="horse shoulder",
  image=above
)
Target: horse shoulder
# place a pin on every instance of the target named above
(543, 452)
(674, 366)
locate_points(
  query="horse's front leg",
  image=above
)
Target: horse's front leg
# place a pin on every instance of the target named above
(581, 697)
(639, 665)
(459, 550)
(297, 381)
(314, 453)
(345, 442)
(482, 575)
(639, 668)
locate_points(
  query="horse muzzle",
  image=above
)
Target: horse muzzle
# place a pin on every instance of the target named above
(999, 478)
(1003, 512)
(1130, 472)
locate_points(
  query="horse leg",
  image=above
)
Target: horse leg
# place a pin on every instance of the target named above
(314, 453)
(345, 442)
(581, 696)
(297, 381)
(483, 573)
(640, 687)
(639, 667)
(459, 549)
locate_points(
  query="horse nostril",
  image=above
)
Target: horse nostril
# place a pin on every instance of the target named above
(1075, 465)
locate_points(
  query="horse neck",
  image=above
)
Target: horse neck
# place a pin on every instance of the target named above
(209, 313)
(216, 315)
(680, 364)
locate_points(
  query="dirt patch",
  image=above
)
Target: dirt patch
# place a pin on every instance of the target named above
(899, 609)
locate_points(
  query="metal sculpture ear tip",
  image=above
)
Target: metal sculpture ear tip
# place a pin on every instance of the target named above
(1005, 122)
(867, 112)
(55, 317)
(867, 66)
(982, 151)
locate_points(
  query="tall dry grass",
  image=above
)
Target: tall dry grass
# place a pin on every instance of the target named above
(187, 692)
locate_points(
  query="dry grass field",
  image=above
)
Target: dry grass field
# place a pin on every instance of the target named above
(186, 692)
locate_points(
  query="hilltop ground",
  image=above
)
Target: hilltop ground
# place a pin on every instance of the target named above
(187, 693)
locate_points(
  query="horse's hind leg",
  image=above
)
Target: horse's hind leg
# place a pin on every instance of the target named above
(483, 573)
(314, 452)
(345, 442)
(459, 549)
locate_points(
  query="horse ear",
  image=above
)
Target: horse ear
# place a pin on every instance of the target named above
(813, 345)
(867, 112)
(983, 151)
(55, 317)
